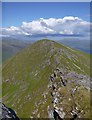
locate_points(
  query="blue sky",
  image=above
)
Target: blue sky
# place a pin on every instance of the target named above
(15, 13)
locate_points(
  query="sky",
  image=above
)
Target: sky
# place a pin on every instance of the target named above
(45, 19)
(15, 13)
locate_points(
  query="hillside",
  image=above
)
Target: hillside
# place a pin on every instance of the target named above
(83, 45)
(48, 79)
(11, 46)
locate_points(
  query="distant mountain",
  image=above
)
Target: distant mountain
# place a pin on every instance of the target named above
(47, 79)
(80, 44)
(11, 46)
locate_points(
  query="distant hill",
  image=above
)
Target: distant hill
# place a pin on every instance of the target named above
(11, 46)
(48, 79)
(79, 44)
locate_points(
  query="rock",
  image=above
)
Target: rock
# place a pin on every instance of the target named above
(51, 78)
(69, 99)
(59, 93)
(75, 113)
(7, 80)
(55, 100)
(44, 96)
(8, 113)
(31, 117)
(55, 75)
(58, 113)
(50, 112)
(51, 94)
(56, 116)
(74, 90)
(53, 87)
(35, 111)
(62, 81)
(50, 85)
(38, 116)
(58, 69)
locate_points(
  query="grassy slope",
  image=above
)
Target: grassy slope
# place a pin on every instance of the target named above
(28, 74)
(10, 47)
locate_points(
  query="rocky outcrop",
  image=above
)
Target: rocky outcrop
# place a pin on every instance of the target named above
(65, 90)
(58, 113)
(8, 113)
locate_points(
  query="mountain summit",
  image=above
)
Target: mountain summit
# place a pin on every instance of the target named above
(48, 79)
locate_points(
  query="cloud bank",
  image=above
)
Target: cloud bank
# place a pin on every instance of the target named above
(68, 25)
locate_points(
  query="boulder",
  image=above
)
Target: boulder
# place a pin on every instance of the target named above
(8, 113)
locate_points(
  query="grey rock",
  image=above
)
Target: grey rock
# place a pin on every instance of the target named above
(59, 112)
(8, 113)
(50, 112)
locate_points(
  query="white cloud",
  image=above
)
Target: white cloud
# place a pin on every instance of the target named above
(68, 25)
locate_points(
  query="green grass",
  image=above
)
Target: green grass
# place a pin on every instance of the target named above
(29, 70)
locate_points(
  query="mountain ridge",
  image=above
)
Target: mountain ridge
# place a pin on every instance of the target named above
(31, 77)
